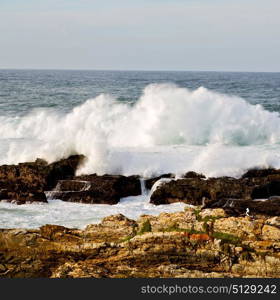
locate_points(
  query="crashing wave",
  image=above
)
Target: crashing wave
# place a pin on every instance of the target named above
(164, 117)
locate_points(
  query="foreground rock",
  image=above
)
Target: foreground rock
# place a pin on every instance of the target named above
(94, 189)
(26, 182)
(192, 243)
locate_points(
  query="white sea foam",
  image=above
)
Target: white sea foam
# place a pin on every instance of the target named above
(169, 129)
(76, 214)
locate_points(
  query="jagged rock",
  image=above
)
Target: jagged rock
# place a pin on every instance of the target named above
(4, 194)
(214, 213)
(24, 197)
(26, 182)
(235, 195)
(270, 233)
(94, 189)
(275, 221)
(255, 173)
(197, 191)
(117, 248)
(63, 169)
(267, 190)
(242, 227)
(112, 229)
(270, 207)
(192, 174)
(115, 222)
(151, 181)
(259, 177)
(49, 231)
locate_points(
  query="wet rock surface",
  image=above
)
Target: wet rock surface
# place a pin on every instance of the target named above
(192, 243)
(151, 181)
(26, 182)
(257, 191)
(94, 189)
(196, 190)
(236, 207)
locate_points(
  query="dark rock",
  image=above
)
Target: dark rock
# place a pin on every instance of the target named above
(72, 185)
(253, 173)
(94, 189)
(192, 174)
(238, 207)
(26, 197)
(62, 169)
(151, 181)
(88, 197)
(124, 186)
(26, 182)
(197, 191)
(234, 195)
(4, 194)
(261, 176)
(40, 161)
(267, 190)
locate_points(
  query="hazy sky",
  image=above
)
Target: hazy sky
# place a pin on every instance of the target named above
(237, 35)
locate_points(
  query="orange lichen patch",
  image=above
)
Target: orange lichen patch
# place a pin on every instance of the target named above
(200, 237)
(196, 236)
(186, 234)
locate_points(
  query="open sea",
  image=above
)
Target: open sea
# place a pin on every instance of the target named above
(135, 122)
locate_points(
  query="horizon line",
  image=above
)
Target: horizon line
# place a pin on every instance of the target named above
(131, 70)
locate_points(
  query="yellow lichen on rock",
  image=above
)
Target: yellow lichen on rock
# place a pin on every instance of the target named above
(191, 243)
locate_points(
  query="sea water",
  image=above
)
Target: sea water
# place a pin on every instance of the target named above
(135, 123)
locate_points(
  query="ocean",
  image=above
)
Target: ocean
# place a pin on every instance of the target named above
(135, 122)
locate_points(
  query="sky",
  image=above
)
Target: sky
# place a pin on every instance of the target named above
(205, 35)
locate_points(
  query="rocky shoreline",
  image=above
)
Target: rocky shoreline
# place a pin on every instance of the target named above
(257, 190)
(231, 230)
(192, 243)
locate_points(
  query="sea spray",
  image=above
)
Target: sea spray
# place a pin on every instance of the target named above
(169, 129)
(144, 191)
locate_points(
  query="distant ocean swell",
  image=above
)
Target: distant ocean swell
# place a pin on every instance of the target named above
(169, 129)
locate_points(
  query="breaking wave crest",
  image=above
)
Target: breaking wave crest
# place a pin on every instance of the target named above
(164, 116)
